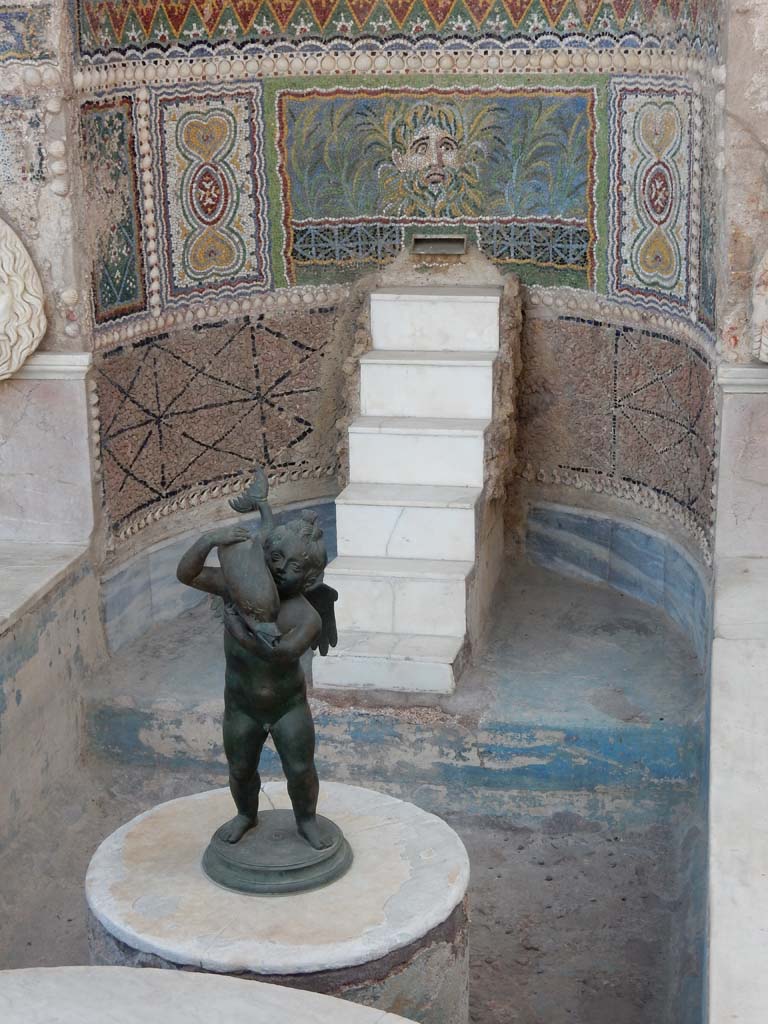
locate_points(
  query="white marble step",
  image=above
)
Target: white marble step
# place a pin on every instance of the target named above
(400, 595)
(390, 661)
(417, 450)
(404, 383)
(452, 318)
(405, 521)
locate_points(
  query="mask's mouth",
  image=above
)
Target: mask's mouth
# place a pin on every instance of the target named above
(435, 177)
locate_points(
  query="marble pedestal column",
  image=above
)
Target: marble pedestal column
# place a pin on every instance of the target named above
(391, 933)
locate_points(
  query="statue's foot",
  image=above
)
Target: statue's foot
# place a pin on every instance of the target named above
(310, 830)
(232, 831)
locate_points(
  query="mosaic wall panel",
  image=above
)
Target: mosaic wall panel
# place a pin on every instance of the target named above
(24, 30)
(212, 191)
(138, 27)
(709, 204)
(357, 166)
(623, 411)
(22, 162)
(652, 242)
(109, 157)
(183, 412)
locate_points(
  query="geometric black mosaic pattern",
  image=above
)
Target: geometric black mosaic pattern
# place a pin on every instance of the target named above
(179, 413)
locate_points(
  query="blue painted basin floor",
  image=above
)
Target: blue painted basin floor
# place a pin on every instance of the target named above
(581, 689)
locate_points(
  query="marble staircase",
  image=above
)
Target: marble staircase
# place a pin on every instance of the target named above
(409, 558)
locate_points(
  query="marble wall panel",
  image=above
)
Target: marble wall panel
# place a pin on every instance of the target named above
(46, 493)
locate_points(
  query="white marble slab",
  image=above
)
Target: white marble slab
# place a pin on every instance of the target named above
(400, 595)
(390, 661)
(45, 462)
(742, 489)
(146, 886)
(399, 531)
(123, 995)
(451, 384)
(417, 451)
(739, 831)
(452, 319)
(27, 571)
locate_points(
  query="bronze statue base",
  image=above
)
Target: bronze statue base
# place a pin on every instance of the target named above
(272, 859)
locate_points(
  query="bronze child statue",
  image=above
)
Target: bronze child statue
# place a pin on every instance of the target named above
(275, 609)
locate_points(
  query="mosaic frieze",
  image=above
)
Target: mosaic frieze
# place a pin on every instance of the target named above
(652, 155)
(109, 157)
(622, 411)
(136, 27)
(359, 166)
(212, 191)
(181, 413)
(24, 32)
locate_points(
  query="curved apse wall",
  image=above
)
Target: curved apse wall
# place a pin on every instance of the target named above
(247, 161)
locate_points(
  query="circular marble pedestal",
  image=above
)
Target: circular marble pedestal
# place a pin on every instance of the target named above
(391, 933)
(92, 995)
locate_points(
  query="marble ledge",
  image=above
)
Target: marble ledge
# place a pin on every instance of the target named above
(80, 995)
(28, 571)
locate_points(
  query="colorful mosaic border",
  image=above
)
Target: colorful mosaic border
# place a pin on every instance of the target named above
(108, 135)
(210, 177)
(113, 29)
(167, 309)
(654, 201)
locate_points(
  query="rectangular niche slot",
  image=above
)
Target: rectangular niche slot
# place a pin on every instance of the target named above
(438, 245)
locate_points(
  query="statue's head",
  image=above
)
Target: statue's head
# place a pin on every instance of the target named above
(22, 318)
(296, 555)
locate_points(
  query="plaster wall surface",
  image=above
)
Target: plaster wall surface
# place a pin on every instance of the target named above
(45, 654)
(739, 716)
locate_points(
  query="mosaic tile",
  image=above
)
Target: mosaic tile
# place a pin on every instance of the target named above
(181, 413)
(211, 189)
(360, 166)
(24, 32)
(22, 162)
(171, 26)
(652, 155)
(622, 411)
(109, 162)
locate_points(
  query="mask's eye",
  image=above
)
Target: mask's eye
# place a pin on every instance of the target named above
(275, 556)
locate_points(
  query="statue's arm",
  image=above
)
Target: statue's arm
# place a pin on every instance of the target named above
(192, 570)
(282, 650)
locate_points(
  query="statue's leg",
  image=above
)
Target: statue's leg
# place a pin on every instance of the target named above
(294, 736)
(244, 738)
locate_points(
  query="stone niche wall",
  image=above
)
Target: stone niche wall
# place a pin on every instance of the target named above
(244, 166)
(623, 412)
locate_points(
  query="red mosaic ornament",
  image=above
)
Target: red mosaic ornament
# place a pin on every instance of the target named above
(649, 8)
(478, 10)
(245, 12)
(322, 10)
(283, 10)
(438, 10)
(400, 9)
(553, 10)
(517, 10)
(361, 10)
(118, 12)
(622, 9)
(587, 10)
